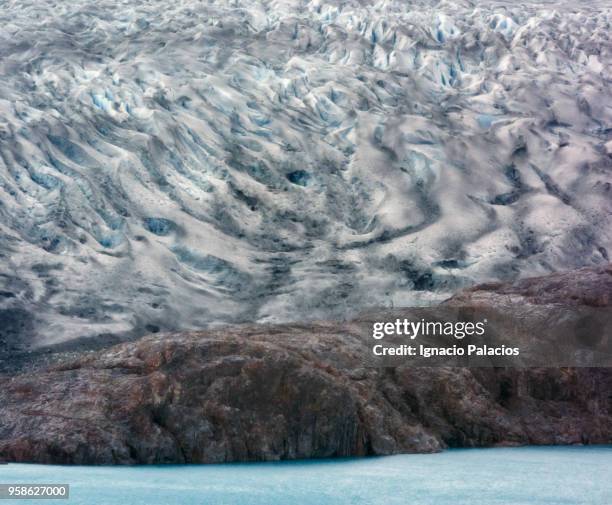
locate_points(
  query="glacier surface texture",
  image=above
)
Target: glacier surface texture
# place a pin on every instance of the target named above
(177, 164)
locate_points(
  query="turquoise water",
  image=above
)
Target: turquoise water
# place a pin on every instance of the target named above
(518, 476)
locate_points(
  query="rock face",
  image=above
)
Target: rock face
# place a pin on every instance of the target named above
(591, 286)
(294, 391)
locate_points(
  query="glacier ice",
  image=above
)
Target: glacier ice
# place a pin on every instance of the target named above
(178, 164)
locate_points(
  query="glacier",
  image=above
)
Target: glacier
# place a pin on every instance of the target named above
(176, 165)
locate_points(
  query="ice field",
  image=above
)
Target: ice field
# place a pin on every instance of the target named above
(170, 165)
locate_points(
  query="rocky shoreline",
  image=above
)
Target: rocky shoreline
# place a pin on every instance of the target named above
(253, 393)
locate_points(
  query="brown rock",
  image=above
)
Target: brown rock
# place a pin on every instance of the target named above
(590, 286)
(292, 391)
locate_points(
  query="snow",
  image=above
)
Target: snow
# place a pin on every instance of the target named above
(180, 164)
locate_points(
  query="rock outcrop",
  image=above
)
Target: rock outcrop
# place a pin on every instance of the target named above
(590, 286)
(251, 393)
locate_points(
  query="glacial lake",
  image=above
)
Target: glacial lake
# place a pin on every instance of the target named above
(512, 476)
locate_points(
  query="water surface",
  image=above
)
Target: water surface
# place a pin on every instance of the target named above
(516, 476)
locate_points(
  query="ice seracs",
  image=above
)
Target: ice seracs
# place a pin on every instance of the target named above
(174, 165)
